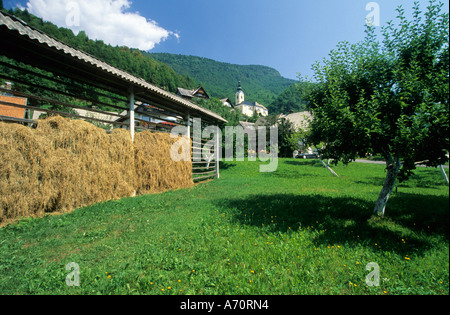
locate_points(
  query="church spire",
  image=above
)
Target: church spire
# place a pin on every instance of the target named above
(240, 96)
(239, 87)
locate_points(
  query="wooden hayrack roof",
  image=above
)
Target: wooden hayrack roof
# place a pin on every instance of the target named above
(29, 45)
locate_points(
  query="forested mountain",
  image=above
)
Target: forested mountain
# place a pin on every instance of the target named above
(133, 61)
(260, 83)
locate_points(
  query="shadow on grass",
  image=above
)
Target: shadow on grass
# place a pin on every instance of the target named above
(426, 178)
(349, 221)
(226, 165)
(303, 162)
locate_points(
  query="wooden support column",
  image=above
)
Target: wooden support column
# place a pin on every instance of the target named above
(218, 140)
(188, 133)
(131, 113)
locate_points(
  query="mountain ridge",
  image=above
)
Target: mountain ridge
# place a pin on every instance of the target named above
(220, 79)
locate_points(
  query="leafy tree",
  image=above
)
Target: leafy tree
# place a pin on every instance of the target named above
(214, 104)
(290, 100)
(389, 98)
(286, 130)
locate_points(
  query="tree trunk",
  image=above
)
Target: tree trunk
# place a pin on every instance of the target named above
(329, 168)
(393, 168)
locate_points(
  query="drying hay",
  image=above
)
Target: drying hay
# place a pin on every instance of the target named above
(66, 164)
(86, 165)
(22, 168)
(155, 169)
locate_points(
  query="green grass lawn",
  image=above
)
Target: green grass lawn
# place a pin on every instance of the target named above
(296, 231)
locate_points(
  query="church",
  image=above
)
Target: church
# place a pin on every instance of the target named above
(249, 108)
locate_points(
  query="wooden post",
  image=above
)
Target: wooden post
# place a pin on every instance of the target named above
(132, 122)
(188, 136)
(218, 139)
(188, 133)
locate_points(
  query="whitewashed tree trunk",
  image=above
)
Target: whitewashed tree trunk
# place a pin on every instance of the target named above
(327, 166)
(444, 174)
(393, 168)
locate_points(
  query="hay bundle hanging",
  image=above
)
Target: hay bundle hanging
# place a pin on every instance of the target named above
(155, 170)
(65, 164)
(86, 165)
(23, 164)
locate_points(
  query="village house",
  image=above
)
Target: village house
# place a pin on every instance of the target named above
(194, 93)
(227, 102)
(9, 112)
(150, 117)
(301, 120)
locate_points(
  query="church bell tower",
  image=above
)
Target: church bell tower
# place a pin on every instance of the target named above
(240, 96)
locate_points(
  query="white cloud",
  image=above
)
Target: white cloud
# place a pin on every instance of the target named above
(106, 20)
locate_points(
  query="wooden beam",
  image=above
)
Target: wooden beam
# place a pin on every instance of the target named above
(203, 177)
(217, 153)
(132, 122)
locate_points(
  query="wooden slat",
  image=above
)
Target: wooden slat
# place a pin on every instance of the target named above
(63, 114)
(49, 100)
(204, 173)
(203, 177)
(15, 119)
(60, 92)
(111, 97)
(203, 168)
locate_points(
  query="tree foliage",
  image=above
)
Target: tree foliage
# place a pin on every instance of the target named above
(286, 131)
(290, 100)
(231, 115)
(388, 98)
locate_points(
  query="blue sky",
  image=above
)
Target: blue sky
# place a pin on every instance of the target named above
(288, 35)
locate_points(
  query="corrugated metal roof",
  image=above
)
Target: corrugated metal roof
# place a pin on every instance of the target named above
(15, 24)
